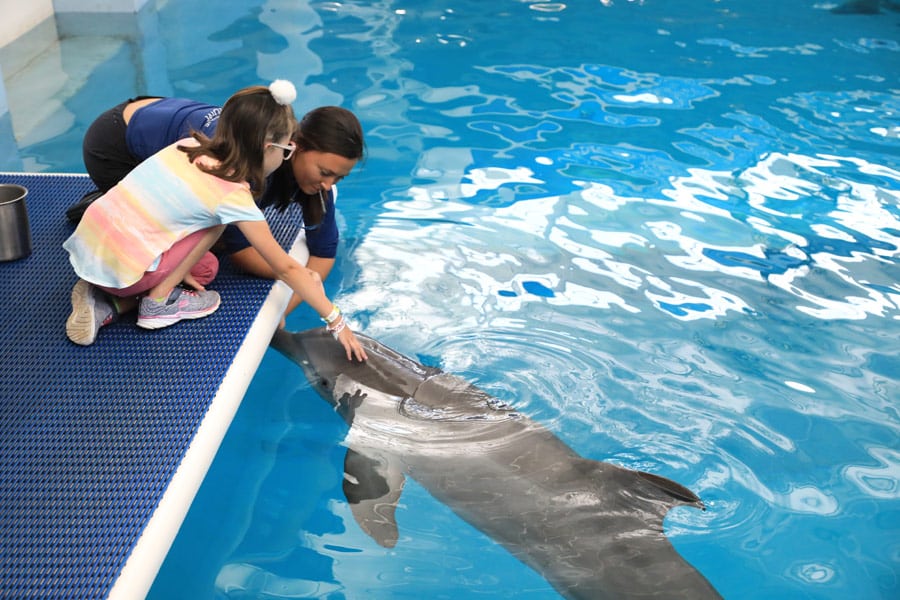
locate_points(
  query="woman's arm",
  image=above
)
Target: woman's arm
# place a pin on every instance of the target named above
(249, 260)
(320, 265)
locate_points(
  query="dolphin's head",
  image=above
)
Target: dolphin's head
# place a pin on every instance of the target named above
(323, 359)
(318, 354)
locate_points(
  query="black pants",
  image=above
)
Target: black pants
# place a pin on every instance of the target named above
(104, 150)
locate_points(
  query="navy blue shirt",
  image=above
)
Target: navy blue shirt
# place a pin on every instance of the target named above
(164, 122)
(321, 239)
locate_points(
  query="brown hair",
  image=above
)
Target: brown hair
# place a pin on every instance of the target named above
(250, 118)
(331, 129)
(328, 129)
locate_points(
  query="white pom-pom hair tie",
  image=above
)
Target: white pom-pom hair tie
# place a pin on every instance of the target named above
(283, 91)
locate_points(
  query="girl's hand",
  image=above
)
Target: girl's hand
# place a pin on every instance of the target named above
(351, 345)
(337, 327)
(193, 283)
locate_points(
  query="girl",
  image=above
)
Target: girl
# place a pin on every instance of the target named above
(329, 142)
(154, 229)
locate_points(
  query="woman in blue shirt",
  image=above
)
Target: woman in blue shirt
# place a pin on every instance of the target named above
(329, 143)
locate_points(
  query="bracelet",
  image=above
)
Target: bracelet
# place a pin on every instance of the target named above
(337, 328)
(335, 322)
(333, 315)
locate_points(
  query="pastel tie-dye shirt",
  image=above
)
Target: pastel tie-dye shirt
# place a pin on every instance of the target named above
(163, 200)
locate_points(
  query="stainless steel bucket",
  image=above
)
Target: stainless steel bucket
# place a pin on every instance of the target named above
(15, 233)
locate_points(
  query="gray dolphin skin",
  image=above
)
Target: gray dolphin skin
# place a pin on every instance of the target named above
(592, 529)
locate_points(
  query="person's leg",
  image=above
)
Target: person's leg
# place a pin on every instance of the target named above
(105, 151)
(165, 304)
(91, 310)
(204, 272)
(201, 275)
(96, 306)
(106, 157)
(177, 264)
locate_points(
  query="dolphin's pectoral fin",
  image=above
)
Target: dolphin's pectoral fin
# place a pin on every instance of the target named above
(373, 488)
(362, 481)
(673, 489)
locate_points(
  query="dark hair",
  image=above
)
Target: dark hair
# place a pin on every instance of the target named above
(250, 118)
(329, 129)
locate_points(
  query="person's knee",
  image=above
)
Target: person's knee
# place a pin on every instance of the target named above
(206, 269)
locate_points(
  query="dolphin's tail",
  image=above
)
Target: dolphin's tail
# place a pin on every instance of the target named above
(620, 549)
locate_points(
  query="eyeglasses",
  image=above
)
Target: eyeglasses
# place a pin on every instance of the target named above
(288, 150)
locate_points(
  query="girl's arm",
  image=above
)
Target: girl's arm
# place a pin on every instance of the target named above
(307, 284)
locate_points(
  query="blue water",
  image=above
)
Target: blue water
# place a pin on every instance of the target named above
(668, 231)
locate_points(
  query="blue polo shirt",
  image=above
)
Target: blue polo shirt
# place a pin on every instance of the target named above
(321, 239)
(164, 122)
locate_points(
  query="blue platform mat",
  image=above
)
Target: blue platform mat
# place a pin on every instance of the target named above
(90, 437)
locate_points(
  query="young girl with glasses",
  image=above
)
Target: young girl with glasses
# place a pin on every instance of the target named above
(152, 231)
(328, 143)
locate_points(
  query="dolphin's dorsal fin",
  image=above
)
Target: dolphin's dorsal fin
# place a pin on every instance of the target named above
(455, 398)
(673, 489)
(373, 487)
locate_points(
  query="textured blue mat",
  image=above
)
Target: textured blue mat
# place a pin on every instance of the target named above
(90, 436)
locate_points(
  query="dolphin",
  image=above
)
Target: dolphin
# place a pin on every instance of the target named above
(592, 529)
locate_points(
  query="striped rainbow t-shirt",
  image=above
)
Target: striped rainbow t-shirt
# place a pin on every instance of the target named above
(163, 200)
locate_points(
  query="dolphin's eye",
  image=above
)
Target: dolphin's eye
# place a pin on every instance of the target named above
(323, 382)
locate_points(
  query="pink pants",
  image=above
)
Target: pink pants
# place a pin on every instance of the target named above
(204, 271)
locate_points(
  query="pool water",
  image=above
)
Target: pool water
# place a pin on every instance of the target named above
(668, 231)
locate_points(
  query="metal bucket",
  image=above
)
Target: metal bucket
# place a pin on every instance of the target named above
(15, 233)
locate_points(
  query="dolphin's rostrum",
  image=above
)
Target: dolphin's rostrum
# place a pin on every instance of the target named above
(594, 530)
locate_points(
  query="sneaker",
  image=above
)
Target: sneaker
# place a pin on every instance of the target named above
(76, 211)
(90, 311)
(181, 304)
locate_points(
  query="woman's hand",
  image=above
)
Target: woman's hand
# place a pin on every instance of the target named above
(351, 345)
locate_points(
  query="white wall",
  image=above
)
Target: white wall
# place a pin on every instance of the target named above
(19, 17)
(37, 55)
(127, 6)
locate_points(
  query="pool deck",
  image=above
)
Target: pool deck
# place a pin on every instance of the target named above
(103, 447)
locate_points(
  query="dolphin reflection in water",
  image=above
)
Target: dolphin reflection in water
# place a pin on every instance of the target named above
(592, 529)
